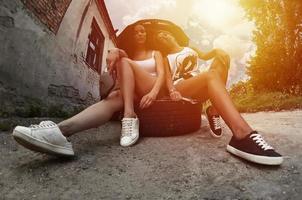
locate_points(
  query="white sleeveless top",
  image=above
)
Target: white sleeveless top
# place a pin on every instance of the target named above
(148, 64)
(183, 64)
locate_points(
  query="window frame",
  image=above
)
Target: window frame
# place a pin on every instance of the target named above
(95, 47)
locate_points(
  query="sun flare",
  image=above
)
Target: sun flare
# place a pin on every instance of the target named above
(217, 13)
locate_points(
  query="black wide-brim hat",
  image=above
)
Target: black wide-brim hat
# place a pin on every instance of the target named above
(152, 26)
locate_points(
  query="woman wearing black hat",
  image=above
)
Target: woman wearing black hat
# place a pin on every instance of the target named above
(141, 76)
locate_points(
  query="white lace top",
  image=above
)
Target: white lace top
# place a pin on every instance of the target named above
(148, 64)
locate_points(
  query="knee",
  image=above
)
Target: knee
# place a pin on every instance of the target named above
(114, 95)
(114, 101)
(211, 75)
(122, 62)
(226, 60)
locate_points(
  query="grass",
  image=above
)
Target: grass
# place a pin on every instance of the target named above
(5, 126)
(272, 101)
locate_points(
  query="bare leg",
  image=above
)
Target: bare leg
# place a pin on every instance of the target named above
(209, 85)
(222, 68)
(133, 79)
(221, 65)
(93, 116)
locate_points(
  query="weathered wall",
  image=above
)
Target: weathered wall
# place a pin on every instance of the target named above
(49, 12)
(42, 72)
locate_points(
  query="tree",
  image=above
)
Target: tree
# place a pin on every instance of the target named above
(276, 65)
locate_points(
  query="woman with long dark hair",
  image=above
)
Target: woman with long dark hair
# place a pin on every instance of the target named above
(140, 76)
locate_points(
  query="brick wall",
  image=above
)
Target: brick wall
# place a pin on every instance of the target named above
(49, 12)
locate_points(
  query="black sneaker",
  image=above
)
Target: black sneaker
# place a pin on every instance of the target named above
(214, 121)
(254, 148)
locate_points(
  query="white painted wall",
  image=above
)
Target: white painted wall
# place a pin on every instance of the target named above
(34, 61)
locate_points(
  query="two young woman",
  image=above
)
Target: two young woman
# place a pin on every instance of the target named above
(144, 76)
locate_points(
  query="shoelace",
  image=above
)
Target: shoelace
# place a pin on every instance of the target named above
(127, 127)
(260, 141)
(216, 122)
(43, 124)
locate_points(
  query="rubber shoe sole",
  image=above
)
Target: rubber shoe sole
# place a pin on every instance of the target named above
(131, 143)
(41, 146)
(264, 160)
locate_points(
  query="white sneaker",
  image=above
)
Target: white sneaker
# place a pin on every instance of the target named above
(130, 131)
(45, 137)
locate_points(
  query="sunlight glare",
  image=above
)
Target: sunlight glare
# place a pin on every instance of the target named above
(217, 13)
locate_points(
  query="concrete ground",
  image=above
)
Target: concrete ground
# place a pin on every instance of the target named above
(193, 166)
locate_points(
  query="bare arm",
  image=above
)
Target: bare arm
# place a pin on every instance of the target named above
(168, 75)
(174, 94)
(215, 53)
(151, 96)
(160, 73)
(121, 53)
(113, 56)
(205, 55)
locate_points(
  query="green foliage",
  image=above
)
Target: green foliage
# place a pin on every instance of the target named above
(246, 99)
(62, 111)
(57, 111)
(4, 126)
(30, 107)
(29, 110)
(277, 64)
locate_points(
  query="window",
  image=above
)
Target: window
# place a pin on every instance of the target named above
(95, 47)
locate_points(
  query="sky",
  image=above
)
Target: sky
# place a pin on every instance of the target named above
(208, 23)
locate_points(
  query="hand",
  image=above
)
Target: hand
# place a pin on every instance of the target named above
(147, 100)
(112, 57)
(175, 95)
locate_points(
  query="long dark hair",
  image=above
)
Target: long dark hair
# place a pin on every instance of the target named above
(157, 45)
(126, 41)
